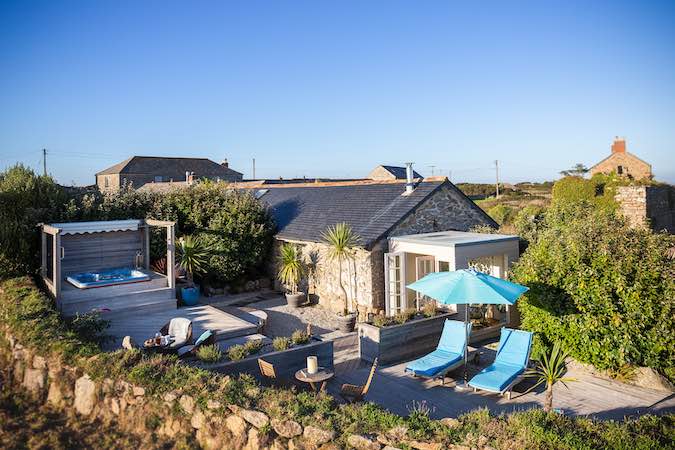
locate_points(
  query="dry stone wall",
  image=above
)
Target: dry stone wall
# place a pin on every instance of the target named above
(648, 205)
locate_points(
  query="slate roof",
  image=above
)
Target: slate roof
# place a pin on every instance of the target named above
(399, 172)
(303, 213)
(169, 166)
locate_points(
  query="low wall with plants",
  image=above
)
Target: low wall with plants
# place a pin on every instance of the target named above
(167, 401)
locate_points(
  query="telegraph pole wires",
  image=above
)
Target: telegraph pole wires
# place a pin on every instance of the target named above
(44, 161)
(497, 176)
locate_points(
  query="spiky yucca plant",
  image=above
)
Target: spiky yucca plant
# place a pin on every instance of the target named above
(290, 266)
(341, 241)
(550, 369)
(193, 257)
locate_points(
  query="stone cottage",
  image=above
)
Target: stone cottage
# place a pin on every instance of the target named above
(623, 163)
(141, 170)
(377, 211)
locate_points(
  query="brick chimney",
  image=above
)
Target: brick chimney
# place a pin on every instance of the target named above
(619, 145)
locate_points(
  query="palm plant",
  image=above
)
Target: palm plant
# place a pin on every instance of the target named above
(290, 266)
(550, 369)
(341, 241)
(193, 257)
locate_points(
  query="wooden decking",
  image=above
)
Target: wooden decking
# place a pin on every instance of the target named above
(589, 395)
(143, 326)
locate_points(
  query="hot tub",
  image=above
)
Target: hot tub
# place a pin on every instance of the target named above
(107, 277)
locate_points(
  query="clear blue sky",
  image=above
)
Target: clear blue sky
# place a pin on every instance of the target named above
(333, 89)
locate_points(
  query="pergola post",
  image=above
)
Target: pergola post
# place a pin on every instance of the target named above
(56, 255)
(146, 240)
(171, 255)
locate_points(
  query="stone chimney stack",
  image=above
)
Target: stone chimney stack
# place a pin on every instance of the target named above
(619, 145)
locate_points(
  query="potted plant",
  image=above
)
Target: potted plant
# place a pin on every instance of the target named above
(341, 241)
(290, 272)
(192, 257)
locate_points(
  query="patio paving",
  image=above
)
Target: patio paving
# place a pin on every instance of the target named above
(395, 390)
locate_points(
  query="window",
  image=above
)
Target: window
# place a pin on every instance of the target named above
(106, 182)
(158, 179)
(619, 170)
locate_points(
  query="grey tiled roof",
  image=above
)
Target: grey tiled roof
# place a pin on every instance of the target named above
(170, 167)
(304, 213)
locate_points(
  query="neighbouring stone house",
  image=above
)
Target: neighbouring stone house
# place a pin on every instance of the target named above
(390, 173)
(623, 163)
(377, 211)
(140, 170)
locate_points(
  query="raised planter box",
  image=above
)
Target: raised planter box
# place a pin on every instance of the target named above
(285, 362)
(400, 342)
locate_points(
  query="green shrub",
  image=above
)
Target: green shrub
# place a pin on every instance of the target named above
(529, 221)
(405, 316)
(90, 327)
(253, 346)
(502, 214)
(281, 343)
(209, 353)
(601, 288)
(430, 309)
(299, 337)
(237, 352)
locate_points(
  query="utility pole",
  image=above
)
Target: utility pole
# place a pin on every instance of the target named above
(450, 175)
(432, 170)
(254, 168)
(497, 176)
(44, 161)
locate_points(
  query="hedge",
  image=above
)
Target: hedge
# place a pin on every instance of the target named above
(604, 290)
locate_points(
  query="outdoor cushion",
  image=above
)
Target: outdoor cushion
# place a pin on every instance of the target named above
(514, 347)
(496, 377)
(450, 351)
(513, 353)
(205, 336)
(180, 330)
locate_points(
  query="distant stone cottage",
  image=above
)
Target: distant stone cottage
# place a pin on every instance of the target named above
(623, 163)
(141, 170)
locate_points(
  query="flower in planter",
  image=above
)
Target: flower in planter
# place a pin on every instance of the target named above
(299, 337)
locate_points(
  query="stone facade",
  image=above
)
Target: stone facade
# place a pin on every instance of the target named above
(648, 205)
(623, 163)
(363, 277)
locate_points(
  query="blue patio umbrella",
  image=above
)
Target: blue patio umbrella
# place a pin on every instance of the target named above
(466, 287)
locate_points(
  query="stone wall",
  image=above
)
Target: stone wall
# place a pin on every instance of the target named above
(648, 205)
(321, 281)
(172, 416)
(446, 209)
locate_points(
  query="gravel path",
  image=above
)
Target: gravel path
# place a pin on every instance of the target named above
(283, 320)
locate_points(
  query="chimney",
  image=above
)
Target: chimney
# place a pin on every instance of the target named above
(409, 185)
(619, 145)
(225, 164)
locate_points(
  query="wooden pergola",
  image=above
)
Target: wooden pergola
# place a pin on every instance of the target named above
(90, 246)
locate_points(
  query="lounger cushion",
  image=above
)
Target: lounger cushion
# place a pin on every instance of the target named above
(179, 328)
(449, 352)
(496, 377)
(514, 347)
(434, 363)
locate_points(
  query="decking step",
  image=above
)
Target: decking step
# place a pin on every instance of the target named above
(123, 303)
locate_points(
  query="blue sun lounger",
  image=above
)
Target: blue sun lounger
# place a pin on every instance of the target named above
(509, 367)
(449, 353)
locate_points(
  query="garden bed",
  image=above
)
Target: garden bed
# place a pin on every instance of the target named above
(286, 362)
(395, 343)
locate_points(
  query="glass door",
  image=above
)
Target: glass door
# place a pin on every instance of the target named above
(394, 282)
(423, 265)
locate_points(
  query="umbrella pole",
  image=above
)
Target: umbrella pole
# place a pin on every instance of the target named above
(466, 347)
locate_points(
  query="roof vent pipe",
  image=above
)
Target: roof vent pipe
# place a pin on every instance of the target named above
(409, 186)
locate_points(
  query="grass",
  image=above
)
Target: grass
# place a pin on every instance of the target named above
(31, 318)
(209, 353)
